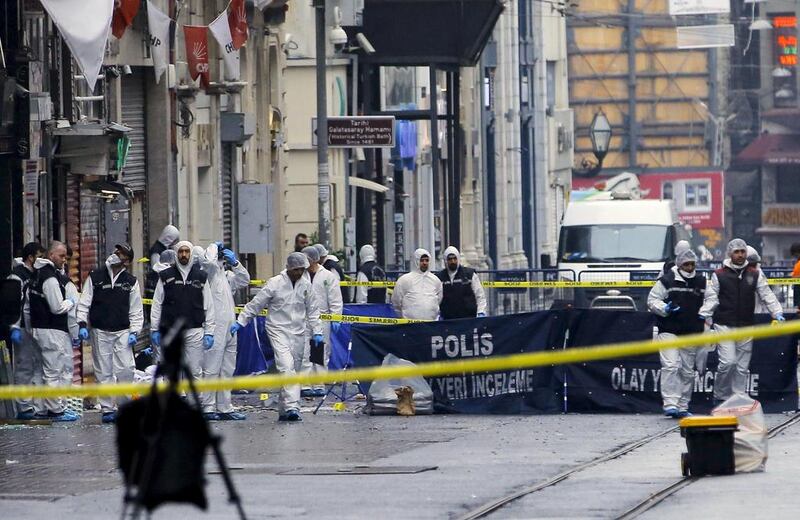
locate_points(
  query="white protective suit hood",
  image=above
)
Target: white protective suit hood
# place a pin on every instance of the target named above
(418, 254)
(366, 254)
(681, 246)
(169, 235)
(184, 269)
(41, 262)
(451, 250)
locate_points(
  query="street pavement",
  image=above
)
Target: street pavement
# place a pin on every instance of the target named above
(69, 470)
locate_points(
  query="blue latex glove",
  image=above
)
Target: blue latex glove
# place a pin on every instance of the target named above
(236, 327)
(16, 336)
(335, 326)
(318, 338)
(780, 317)
(83, 333)
(131, 339)
(671, 308)
(147, 351)
(481, 314)
(155, 337)
(208, 341)
(230, 256)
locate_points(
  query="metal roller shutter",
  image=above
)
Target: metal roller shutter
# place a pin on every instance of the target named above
(226, 193)
(133, 116)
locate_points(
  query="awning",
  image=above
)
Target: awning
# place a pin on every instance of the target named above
(88, 129)
(773, 149)
(421, 32)
(788, 117)
(358, 182)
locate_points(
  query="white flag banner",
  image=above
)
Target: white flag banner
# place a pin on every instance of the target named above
(158, 27)
(221, 30)
(84, 25)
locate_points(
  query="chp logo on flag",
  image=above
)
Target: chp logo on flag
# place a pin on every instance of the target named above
(196, 37)
(221, 31)
(158, 25)
(237, 20)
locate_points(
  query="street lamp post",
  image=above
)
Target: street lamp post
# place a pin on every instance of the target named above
(600, 134)
(323, 175)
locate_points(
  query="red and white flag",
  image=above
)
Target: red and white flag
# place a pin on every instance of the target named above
(124, 13)
(158, 26)
(84, 25)
(230, 56)
(237, 20)
(196, 37)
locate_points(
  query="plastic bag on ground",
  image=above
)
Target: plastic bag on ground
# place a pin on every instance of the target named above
(750, 442)
(382, 399)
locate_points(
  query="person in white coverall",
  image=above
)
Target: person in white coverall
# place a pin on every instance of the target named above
(183, 293)
(49, 309)
(291, 309)
(370, 271)
(111, 306)
(220, 361)
(417, 294)
(167, 259)
(676, 298)
(462, 289)
(730, 302)
(27, 354)
(329, 300)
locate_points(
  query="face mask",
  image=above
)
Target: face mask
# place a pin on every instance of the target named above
(113, 259)
(685, 274)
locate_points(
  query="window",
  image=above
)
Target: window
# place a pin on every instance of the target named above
(550, 70)
(788, 184)
(666, 191)
(696, 196)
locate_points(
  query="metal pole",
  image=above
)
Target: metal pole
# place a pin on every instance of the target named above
(323, 177)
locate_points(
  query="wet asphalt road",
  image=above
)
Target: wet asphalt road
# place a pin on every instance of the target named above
(69, 470)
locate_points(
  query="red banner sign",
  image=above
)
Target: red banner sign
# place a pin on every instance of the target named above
(196, 37)
(237, 19)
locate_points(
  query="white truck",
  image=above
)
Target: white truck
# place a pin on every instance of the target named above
(612, 236)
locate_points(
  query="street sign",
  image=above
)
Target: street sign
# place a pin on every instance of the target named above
(358, 131)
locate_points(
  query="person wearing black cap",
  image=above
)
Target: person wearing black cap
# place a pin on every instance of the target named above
(111, 305)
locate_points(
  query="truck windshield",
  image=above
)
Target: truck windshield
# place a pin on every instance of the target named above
(615, 243)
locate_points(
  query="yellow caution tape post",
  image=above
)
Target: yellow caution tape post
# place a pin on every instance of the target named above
(437, 368)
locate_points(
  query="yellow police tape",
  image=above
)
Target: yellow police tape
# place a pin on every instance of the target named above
(368, 319)
(562, 284)
(436, 368)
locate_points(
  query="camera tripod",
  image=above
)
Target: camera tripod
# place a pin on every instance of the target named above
(156, 428)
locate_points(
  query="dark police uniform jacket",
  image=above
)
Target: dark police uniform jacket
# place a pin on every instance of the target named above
(458, 299)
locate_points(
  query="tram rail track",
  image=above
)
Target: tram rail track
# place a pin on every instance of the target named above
(489, 507)
(648, 503)
(659, 496)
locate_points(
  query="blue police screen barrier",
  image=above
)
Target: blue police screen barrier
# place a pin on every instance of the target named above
(633, 384)
(630, 385)
(254, 354)
(528, 390)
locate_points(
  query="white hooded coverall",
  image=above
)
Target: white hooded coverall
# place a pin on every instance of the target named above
(220, 360)
(365, 254)
(328, 294)
(417, 295)
(111, 355)
(291, 308)
(734, 356)
(677, 364)
(55, 345)
(27, 366)
(192, 338)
